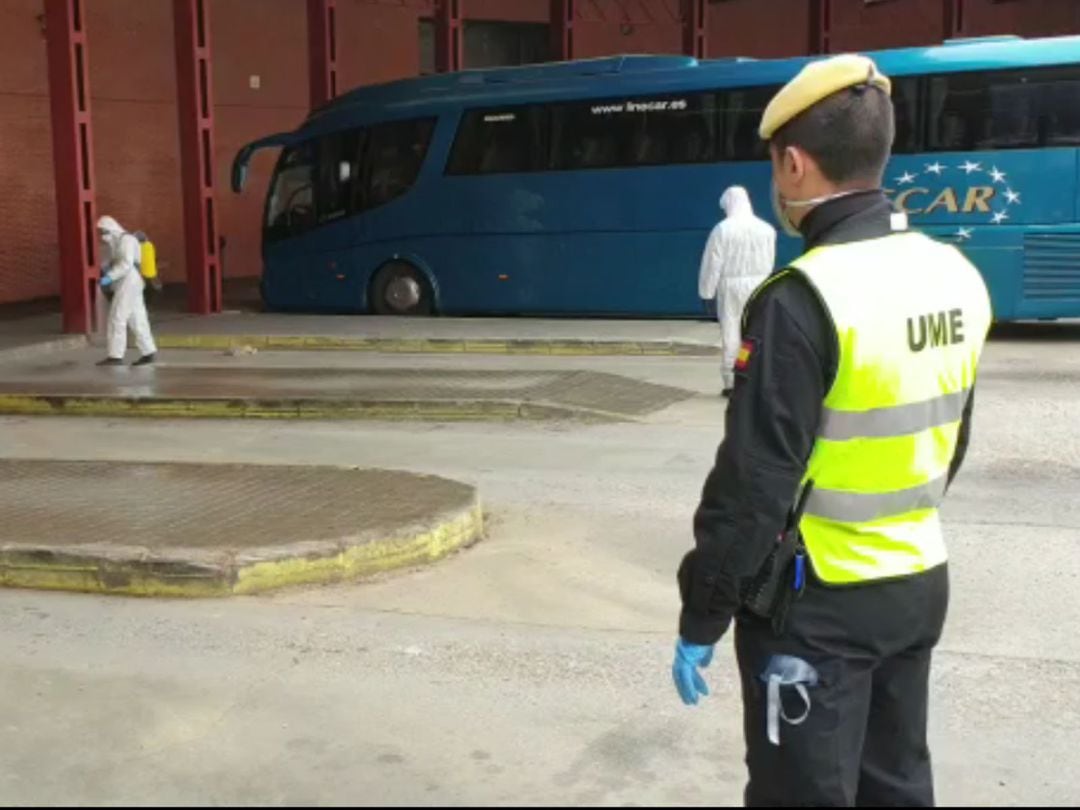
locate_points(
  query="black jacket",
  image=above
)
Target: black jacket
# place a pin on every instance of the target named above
(771, 426)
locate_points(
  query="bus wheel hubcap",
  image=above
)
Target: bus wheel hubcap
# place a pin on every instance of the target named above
(403, 293)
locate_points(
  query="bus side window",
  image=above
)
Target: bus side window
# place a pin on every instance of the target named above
(957, 110)
(1061, 108)
(1014, 115)
(905, 96)
(393, 157)
(673, 130)
(499, 141)
(589, 135)
(742, 110)
(290, 208)
(982, 111)
(339, 168)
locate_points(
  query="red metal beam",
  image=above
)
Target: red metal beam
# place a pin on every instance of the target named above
(449, 45)
(196, 107)
(562, 29)
(954, 18)
(820, 26)
(695, 29)
(322, 50)
(69, 100)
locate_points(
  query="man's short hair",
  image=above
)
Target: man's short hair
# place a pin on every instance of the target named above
(849, 134)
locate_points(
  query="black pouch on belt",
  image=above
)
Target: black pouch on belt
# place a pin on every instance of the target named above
(783, 576)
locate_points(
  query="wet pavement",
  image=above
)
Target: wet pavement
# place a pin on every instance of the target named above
(588, 392)
(701, 332)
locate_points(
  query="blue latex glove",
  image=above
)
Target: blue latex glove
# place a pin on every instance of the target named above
(689, 658)
(106, 282)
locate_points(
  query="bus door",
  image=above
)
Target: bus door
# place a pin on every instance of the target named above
(308, 232)
(331, 277)
(290, 213)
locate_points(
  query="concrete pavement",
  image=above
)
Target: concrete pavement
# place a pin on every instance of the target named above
(533, 669)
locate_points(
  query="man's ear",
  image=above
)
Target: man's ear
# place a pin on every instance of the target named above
(796, 164)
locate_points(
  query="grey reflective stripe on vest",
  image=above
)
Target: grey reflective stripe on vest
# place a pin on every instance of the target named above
(902, 420)
(861, 507)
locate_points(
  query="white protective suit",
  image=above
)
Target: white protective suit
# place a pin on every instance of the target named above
(738, 256)
(120, 253)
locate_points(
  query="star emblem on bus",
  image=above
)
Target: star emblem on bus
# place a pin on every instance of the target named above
(982, 194)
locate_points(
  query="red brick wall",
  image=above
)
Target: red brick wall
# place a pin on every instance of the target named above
(134, 97)
(765, 30)
(136, 139)
(605, 27)
(377, 42)
(29, 256)
(1030, 18)
(277, 56)
(857, 26)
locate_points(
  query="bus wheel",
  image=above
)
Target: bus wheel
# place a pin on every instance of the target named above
(401, 289)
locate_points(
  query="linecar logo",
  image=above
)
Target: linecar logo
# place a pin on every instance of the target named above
(968, 188)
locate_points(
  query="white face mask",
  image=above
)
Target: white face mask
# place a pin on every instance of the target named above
(780, 206)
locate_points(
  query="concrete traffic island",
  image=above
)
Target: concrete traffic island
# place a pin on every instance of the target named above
(64, 388)
(202, 530)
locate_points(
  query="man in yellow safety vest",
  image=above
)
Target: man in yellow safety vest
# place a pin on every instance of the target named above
(853, 399)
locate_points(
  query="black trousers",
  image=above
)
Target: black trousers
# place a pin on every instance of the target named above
(863, 742)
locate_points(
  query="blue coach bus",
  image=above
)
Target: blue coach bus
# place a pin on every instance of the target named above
(590, 187)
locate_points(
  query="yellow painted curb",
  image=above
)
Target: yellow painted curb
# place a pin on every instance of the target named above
(368, 559)
(63, 570)
(581, 348)
(310, 409)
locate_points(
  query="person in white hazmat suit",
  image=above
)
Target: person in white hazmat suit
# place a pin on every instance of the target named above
(121, 278)
(738, 257)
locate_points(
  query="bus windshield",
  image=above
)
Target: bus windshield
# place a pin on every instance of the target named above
(334, 176)
(291, 205)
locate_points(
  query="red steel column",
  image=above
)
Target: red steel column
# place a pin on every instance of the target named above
(954, 18)
(449, 45)
(695, 39)
(562, 30)
(820, 26)
(195, 103)
(322, 50)
(69, 100)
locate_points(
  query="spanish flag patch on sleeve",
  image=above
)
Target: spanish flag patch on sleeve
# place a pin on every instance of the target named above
(746, 352)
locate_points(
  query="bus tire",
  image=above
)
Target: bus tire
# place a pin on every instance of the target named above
(400, 289)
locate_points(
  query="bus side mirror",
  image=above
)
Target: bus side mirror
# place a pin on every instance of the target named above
(239, 174)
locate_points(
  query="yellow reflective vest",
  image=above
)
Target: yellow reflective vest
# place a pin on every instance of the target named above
(911, 317)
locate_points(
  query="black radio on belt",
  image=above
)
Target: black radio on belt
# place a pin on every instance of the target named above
(783, 576)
